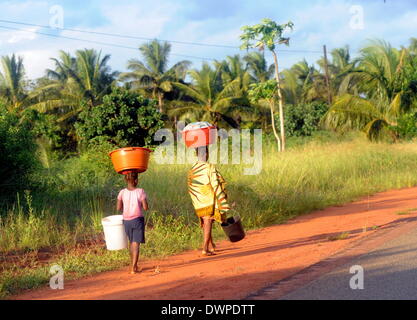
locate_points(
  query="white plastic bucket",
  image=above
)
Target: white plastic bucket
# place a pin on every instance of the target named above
(114, 232)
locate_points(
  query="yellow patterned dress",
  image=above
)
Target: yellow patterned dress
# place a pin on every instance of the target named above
(207, 189)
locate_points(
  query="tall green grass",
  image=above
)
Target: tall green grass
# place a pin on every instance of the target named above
(78, 192)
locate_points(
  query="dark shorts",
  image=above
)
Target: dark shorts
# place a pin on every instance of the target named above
(135, 229)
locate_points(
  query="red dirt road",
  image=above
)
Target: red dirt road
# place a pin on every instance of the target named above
(264, 257)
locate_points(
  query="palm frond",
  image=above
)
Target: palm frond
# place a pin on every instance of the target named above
(350, 112)
(190, 91)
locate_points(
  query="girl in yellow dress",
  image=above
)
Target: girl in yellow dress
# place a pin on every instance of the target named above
(207, 189)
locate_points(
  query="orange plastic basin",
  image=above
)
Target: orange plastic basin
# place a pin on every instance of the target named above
(130, 159)
(200, 137)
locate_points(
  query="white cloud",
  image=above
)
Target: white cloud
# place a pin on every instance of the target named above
(147, 18)
(36, 61)
(27, 34)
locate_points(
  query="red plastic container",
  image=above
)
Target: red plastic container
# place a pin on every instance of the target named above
(200, 137)
(130, 159)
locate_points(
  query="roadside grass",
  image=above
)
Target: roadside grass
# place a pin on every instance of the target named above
(338, 237)
(407, 212)
(76, 193)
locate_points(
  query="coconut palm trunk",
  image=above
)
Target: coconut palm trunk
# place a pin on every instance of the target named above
(161, 102)
(281, 103)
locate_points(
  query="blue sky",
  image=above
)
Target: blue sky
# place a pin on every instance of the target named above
(317, 22)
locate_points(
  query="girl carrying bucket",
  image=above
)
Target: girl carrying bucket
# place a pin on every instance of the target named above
(132, 201)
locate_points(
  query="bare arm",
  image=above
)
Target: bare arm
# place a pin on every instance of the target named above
(145, 204)
(119, 205)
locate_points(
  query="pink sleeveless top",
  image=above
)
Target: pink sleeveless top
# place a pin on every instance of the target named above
(132, 203)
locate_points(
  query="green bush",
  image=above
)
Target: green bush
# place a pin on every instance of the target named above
(303, 119)
(17, 149)
(124, 119)
(406, 128)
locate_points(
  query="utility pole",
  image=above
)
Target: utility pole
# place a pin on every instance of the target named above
(326, 69)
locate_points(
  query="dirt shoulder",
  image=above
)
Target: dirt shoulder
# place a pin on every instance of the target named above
(265, 257)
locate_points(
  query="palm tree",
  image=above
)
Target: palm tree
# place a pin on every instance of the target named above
(233, 68)
(93, 75)
(342, 68)
(252, 68)
(75, 82)
(12, 83)
(59, 91)
(301, 83)
(384, 92)
(153, 73)
(65, 67)
(380, 71)
(212, 101)
(341, 71)
(257, 67)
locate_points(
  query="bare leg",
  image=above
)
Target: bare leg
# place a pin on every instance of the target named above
(212, 243)
(208, 224)
(134, 256)
(211, 236)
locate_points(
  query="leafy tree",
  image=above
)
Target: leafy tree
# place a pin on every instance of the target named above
(123, 119)
(153, 74)
(265, 92)
(268, 34)
(406, 127)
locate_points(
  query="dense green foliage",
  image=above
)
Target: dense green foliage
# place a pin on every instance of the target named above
(406, 128)
(17, 149)
(123, 119)
(304, 119)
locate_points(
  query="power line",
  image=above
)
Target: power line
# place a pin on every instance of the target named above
(148, 39)
(98, 42)
(120, 35)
